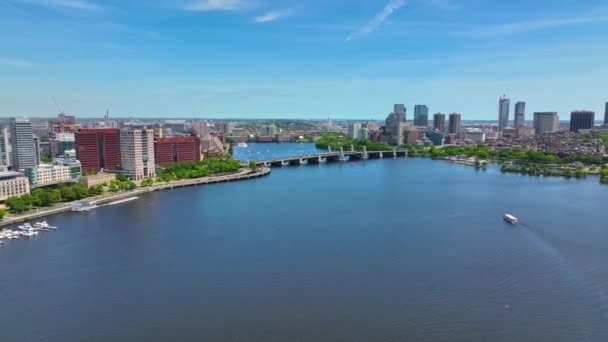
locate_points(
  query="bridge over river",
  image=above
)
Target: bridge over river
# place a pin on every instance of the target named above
(332, 156)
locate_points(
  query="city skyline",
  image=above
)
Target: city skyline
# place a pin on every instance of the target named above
(287, 60)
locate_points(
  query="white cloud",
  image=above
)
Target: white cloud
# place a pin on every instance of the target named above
(217, 5)
(69, 4)
(271, 16)
(16, 63)
(525, 26)
(388, 10)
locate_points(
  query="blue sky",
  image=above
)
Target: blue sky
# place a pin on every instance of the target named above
(300, 59)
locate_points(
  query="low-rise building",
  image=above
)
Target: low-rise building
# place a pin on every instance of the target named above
(47, 174)
(99, 178)
(13, 184)
(73, 164)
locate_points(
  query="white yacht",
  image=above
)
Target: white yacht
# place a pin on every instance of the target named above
(512, 219)
(43, 225)
(242, 145)
(27, 230)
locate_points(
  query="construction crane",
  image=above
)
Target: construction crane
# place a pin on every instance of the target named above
(57, 105)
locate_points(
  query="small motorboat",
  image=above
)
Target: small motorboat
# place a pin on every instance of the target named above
(510, 218)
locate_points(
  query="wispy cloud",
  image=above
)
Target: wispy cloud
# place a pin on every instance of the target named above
(272, 16)
(68, 4)
(533, 25)
(15, 63)
(217, 5)
(388, 10)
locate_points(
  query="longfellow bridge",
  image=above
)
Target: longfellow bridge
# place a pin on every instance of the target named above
(332, 156)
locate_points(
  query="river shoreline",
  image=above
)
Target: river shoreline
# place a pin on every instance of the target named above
(103, 199)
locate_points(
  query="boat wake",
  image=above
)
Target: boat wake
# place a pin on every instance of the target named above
(587, 288)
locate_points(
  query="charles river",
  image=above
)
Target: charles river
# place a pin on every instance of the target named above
(400, 249)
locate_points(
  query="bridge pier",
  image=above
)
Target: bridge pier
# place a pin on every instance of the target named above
(380, 155)
(284, 163)
(352, 148)
(394, 153)
(341, 157)
(328, 149)
(365, 156)
(303, 161)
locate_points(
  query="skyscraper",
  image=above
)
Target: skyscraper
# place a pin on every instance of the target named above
(581, 119)
(401, 112)
(520, 114)
(22, 138)
(421, 115)
(5, 152)
(606, 115)
(98, 148)
(454, 124)
(137, 153)
(546, 122)
(503, 112)
(439, 122)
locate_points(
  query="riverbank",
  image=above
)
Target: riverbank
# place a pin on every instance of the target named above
(106, 198)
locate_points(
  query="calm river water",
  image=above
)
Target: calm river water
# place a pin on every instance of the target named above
(383, 250)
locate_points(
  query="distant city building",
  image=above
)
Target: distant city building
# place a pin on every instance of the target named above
(96, 179)
(503, 112)
(606, 115)
(546, 122)
(268, 130)
(212, 145)
(223, 128)
(61, 143)
(401, 112)
(581, 119)
(520, 114)
(63, 124)
(411, 135)
(439, 122)
(137, 153)
(354, 130)
(475, 135)
(5, 148)
(201, 129)
(454, 123)
(393, 128)
(98, 148)
(22, 139)
(363, 133)
(175, 150)
(436, 137)
(46, 174)
(525, 131)
(421, 115)
(175, 125)
(13, 184)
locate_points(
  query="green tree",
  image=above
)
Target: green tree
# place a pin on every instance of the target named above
(80, 191)
(46, 159)
(16, 204)
(2, 213)
(68, 194)
(252, 165)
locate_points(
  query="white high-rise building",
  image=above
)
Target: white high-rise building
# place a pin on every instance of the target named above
(5, 148)
(354, 130)
(520, 114)
(503, 113)
(137, 153)
(546, 122)
(24, 149)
